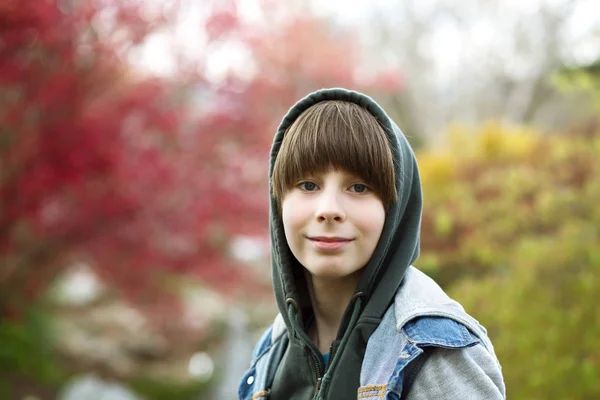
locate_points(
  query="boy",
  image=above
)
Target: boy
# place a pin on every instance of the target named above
(357, 320)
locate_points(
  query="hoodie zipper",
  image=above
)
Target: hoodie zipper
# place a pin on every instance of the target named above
(318, 369)
(319, 374)
(314, 356)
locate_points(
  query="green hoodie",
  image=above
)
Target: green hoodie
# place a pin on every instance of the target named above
(301, 373)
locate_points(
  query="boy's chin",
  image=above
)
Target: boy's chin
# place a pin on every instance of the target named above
(332, 272)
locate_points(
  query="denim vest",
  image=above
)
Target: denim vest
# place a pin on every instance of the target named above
(422, 317)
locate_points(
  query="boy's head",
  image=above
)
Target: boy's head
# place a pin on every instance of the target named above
(335, 135)
(333, 181)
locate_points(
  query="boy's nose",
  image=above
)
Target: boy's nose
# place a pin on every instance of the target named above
(329, 209)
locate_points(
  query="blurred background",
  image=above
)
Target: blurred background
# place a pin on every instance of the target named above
(134, 141)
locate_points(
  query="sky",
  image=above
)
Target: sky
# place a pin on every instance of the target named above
(447, 39)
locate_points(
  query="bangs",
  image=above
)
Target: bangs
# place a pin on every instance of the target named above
(336, 135)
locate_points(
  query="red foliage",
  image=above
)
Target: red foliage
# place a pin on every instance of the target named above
(98, 164)
(125, 171)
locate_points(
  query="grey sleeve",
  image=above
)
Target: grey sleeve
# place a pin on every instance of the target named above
(468, 373)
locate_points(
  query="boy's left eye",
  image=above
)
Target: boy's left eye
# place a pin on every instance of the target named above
(307, 186)
(359, 188)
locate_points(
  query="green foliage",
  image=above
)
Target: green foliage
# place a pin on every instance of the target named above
(583, 80)
(511, 228)
(26, 350)
(152, 389)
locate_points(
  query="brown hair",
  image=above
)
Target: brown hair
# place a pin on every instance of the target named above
(335, 134)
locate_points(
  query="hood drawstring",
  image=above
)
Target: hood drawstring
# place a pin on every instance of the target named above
(293, 310)
(328, 375)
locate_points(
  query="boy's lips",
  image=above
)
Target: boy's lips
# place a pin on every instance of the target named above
(329, 239)
(329, 243)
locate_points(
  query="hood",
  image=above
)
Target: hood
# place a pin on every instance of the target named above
(398, 245)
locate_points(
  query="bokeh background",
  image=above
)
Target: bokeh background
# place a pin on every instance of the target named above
(134, 141)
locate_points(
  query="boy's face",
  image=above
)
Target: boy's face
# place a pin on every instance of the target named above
(332, 223)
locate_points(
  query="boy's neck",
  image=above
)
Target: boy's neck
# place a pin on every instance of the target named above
(329, 298)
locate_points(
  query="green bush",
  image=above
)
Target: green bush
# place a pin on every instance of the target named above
(152, 389)
(26, 351)
(511, 228)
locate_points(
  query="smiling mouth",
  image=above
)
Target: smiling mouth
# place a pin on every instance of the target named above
(329, 244)
(327, 239)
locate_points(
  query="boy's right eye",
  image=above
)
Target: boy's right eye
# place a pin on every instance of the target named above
(307, 186)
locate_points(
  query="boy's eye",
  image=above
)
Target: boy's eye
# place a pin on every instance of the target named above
(359, 188)
(307, 186)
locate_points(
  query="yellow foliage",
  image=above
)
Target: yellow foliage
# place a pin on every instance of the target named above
(492, 141)
(437, 170)
(498, 142)
(511, 226)
(467, 148)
